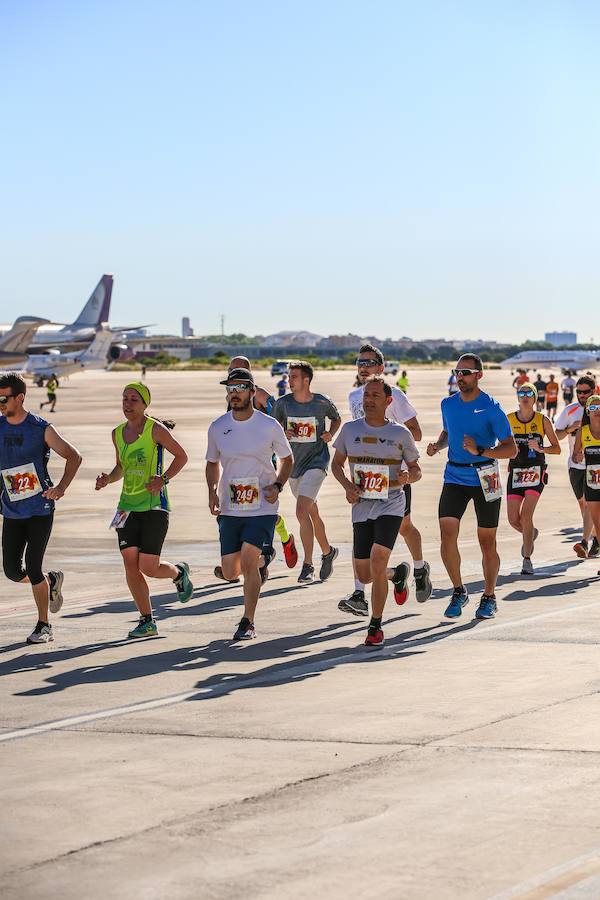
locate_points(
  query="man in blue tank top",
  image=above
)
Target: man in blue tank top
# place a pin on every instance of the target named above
(477, 433)
(27, 496)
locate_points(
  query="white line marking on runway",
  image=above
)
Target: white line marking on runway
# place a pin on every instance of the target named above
(555, 880)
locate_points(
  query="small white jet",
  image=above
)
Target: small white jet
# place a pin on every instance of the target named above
(571, 360)
(14, 344)
(96, 356)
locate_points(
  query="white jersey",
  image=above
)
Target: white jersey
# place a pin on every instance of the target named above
(399, 410)
(571, 415)
(245, 450)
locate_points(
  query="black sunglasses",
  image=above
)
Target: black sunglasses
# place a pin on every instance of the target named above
(363, 363)
(5, 398)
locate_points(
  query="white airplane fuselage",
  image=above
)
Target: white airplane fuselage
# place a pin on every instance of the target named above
(573, 360)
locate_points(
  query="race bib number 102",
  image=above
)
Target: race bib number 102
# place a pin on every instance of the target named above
(373, 481)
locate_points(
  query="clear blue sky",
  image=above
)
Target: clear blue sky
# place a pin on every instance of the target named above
(428, 169)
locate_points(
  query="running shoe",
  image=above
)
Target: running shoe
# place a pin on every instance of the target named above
(219, 574)
(41, 634)
(144, 628)
(355, 604)
(400, 582)
(245, 630)
(594, 550)
(374, 639)
(536, 535)
(290, 552)
(264, 570)
(423, 583)
(527, 567)
(183, 585)
(581, 549)
(487, 607)
(327, 561)
(459, 599)
(56, 598)
(307, 575)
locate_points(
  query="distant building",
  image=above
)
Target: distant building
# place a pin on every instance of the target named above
(186, 328)
(558, 338)
(291, 339)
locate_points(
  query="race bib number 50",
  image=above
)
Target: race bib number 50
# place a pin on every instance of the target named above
(373, 481)
(244, 494)
(304, 429)
(21, 482)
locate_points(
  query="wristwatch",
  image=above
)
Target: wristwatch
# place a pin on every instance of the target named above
(279, 486)
(480, 450)
(165, 478)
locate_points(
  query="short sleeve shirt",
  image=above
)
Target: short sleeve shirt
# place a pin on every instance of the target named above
(484, 421)
(571, 415)
(387, 446)
(245, 449)
(399, 410)
(308, 421)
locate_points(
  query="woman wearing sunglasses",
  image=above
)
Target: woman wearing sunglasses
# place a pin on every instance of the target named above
(587, 451)
(142, 517)
(527, 471)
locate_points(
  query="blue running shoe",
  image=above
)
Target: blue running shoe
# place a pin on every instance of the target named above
(487, 607)
(459, 599)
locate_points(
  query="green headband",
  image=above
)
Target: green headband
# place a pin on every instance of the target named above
(142, 390)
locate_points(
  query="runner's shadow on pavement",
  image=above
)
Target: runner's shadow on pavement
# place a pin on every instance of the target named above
(166, 606)
(556, 589)
(181, 659)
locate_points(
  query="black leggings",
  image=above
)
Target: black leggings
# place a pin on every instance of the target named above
(25, 536)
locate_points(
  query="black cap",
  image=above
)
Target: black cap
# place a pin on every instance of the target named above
(239, 375)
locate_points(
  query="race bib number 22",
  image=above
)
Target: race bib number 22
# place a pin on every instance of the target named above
(21, 482)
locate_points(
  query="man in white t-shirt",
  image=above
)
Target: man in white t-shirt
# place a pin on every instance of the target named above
(370, 362)
(245, 498)
(566, 425)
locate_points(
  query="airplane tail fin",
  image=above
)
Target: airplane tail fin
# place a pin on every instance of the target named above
(97, 352)
(19, 337)
(97, 309)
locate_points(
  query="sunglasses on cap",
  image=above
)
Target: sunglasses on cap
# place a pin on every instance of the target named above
(464, 372)
(363, 363)
(238, 388)
(526, 393)
(594, 407)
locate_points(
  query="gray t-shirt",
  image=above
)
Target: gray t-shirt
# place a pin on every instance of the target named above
(375, 456)
(307, 420)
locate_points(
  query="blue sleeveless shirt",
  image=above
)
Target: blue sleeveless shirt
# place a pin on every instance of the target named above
(24, 457)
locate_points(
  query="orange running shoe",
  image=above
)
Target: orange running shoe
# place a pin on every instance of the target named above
(290, 552)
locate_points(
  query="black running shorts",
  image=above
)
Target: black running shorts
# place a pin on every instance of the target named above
(408, 500)
(455, 498)
(145, 530)
(577, 479)
(383, 530)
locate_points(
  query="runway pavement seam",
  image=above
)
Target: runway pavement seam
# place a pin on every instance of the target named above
(192, 817)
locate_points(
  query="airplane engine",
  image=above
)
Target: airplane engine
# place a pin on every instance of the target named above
(120, 352)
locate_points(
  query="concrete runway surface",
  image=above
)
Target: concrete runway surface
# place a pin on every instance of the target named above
(461, 761)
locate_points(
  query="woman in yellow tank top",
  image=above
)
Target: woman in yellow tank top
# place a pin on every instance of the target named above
(142, 516)
(587, 449)
(527, 471)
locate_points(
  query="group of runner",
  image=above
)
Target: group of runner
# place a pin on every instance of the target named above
(260, 444)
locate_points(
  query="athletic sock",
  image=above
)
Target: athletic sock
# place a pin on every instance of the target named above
(418, 564)
(358, 585)
(147, 619)
(281, 529)
(375, 622)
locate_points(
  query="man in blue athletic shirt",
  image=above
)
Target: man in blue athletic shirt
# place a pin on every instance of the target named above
(477, 433)
(27, 498)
